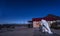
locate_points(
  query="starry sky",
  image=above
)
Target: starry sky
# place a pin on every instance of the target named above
(21, 11)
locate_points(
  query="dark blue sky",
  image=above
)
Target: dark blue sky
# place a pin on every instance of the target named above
(20, 11)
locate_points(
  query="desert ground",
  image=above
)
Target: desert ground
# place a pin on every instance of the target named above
(24, 31)
(39, 33)
(18, 31)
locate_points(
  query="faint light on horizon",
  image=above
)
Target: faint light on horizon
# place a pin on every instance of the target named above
(14, 22)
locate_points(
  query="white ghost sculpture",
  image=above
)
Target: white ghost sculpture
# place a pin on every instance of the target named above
(45, 26)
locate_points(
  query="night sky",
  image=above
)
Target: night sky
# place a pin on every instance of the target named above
(20, 11)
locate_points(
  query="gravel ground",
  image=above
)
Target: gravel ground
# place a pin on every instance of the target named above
(18, 32)
(39, 33)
